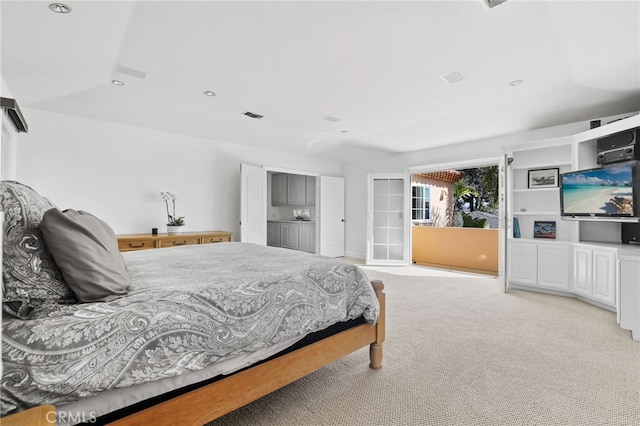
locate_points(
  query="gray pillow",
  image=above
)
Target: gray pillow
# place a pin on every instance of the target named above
(86, 251)
(30, 275)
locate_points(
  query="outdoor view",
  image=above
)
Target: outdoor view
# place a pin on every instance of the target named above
(456, 198)
(455, 219)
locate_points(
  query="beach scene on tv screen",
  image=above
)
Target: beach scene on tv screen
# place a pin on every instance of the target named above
(602, 191)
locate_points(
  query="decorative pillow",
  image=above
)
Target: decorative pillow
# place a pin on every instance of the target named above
(86, 251)
(30, 275)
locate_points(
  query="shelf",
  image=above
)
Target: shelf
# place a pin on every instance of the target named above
(536, 189)
(541, 166)
(536, 213)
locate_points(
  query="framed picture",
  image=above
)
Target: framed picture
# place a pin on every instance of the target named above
(546, 229)
(544, 178)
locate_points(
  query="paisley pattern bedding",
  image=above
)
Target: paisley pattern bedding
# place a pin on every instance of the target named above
(190, 307)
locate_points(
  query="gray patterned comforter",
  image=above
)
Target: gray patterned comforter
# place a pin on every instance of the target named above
(190, 307)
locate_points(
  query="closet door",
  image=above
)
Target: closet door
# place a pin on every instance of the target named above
(388, 227)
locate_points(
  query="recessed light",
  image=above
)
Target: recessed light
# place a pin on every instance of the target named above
(332, 119)
(516, 82)
(209, 93)
(117, 82)
(59, 8)
(344, 131)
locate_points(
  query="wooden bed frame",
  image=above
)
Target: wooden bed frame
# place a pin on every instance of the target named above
(211, 401)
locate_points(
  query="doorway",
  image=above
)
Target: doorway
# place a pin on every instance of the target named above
(456, 212)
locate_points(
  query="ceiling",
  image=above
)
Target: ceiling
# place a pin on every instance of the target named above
(375, 66)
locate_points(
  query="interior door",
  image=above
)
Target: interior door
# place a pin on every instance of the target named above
(253, 205)
(331, 216)
(388, 225)
(503, 222)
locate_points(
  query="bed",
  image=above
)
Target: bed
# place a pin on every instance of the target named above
(195, 333)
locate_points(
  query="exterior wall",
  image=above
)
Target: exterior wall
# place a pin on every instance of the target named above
(467, 249)
(441, 202)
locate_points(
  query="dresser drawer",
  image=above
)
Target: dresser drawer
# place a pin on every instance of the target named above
(179, 241)
(128, 245)
(216, 239)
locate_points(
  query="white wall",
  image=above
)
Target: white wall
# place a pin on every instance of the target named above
(117, 172)
(355, 174)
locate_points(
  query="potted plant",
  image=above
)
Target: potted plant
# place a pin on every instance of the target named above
(175, 224)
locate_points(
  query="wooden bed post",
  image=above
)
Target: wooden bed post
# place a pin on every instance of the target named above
(375, 349)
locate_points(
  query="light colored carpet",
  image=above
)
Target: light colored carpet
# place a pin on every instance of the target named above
(459, 351)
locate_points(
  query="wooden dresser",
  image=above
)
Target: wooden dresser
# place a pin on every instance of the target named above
(148, 241)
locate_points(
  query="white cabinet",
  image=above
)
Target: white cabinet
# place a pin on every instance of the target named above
(629, 307)
(594, 273)
(540, 265)
(523, 263)
(604, 276)
(582, 271)
(554, 266)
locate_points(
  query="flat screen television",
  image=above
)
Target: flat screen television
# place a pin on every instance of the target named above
(611, 191)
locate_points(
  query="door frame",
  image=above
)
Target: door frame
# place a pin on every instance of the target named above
(469, 164)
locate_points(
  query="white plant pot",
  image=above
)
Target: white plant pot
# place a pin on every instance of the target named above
(174, 230)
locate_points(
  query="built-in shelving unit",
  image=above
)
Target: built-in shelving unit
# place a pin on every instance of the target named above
(586, 259)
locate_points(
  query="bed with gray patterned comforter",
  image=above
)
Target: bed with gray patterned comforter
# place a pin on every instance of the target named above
(189, 308)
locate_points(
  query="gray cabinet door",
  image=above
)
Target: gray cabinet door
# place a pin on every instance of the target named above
(273, 234)
(310, 183)
(307, 238)
(296, 189)
(279, 189)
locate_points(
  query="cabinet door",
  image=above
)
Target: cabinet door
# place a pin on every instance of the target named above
(293, 237)
(296, 187)
(554, 265)
(307, 238)
(582, 271)
(523, 261)
(604, 276)
(284, 235)
(630, 296)
(310, 183)
(279, 189)
(273, 234)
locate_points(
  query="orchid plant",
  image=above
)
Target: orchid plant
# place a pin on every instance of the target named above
(173, 220)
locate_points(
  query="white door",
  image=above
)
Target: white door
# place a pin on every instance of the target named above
(331, 216)
(503, 223)
(388, 224)
(253, 205)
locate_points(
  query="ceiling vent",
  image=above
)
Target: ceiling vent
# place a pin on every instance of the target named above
(252, 115)
(130, 71)
(492, 3)
(454, 77)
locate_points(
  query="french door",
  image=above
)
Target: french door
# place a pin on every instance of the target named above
(388, 220)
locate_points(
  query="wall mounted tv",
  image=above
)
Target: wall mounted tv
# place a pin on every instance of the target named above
(609, 192)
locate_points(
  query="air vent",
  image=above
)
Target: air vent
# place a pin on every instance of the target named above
(130, 71)
(492, 3)
(454, 77)
(253, 115)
